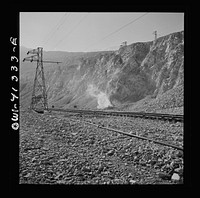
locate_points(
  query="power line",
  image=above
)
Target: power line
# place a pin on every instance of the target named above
(70, 31)
(119, 29)
(50, 32)
(56, 27)
(57, 24)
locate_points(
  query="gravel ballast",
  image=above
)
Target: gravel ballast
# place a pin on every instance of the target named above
(56, 150)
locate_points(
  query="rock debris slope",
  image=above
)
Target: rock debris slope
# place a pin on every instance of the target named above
(145, 76)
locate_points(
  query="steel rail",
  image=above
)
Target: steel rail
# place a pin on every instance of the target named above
(131, 135)
(31, 60)
(124, 113)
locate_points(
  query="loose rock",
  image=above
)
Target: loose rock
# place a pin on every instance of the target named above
(68, 151)
(132, 181)
(179, 170)
(111, 152)
(175, 177)
(164, 176)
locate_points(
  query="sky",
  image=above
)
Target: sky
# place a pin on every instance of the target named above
(90, 31)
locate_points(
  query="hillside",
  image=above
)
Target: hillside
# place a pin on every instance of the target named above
(143, 76)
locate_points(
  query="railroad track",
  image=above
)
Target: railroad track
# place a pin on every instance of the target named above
(130, 134)
(159, 116)
(169, 117)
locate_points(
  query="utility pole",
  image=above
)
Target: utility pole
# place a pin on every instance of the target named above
(39, 99)
(154, 42)
(155, 33)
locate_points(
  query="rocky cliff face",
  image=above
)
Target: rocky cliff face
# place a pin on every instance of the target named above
(118, 79)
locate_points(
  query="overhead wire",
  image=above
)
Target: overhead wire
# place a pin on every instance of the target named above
(50, 32)
(117, 30)
(56, 28)
(70, 31)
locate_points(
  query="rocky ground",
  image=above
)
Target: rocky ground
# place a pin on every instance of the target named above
(171, 102)
(176, 110)
(56, 150)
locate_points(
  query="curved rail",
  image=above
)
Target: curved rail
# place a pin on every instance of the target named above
(169, 117)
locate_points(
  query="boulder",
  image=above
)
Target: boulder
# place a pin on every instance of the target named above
(175, 177)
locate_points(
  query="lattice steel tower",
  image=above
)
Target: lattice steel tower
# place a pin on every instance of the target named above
(39, 95)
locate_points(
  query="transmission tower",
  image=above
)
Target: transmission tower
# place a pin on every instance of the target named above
(154, 42)
(39, 99)
(155, 33)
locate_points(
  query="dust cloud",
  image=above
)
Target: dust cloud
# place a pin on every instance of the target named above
(102, 99)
